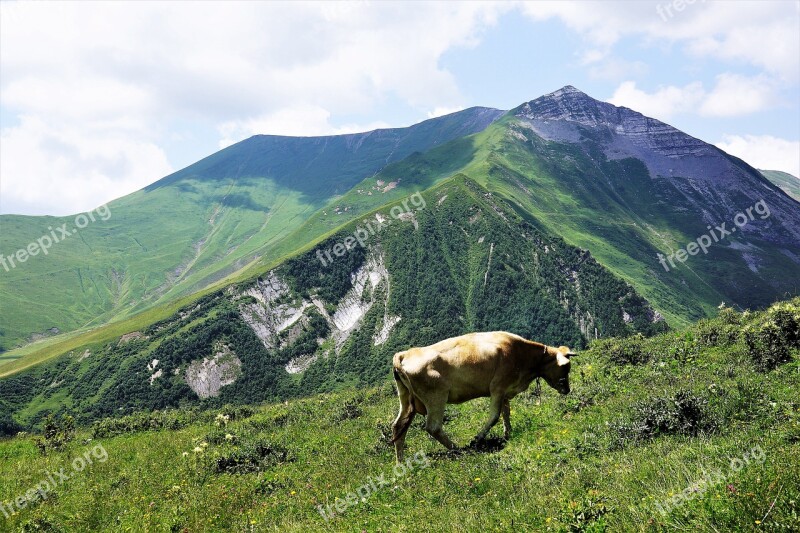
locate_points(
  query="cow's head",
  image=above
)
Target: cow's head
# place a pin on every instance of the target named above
(556, 368)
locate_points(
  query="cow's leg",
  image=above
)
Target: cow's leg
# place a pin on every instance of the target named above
(404, 419)
(506, 419)
(435, 420)
(495, 406)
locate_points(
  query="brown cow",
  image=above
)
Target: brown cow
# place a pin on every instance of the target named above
(497, 365)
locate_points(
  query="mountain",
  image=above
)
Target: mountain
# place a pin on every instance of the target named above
(607, 187)
(194, 227)
(453, 260)
(626, 188)
(788, 183)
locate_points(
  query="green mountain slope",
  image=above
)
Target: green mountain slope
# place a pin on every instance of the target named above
(681, 432)
(788, 183)
(583, 170)
(194, 227)
(605, 179)
(457, 261)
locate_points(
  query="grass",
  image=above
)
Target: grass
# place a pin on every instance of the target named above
(788, 183)
(567, 467)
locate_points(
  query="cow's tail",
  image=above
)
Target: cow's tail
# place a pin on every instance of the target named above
(407, 400)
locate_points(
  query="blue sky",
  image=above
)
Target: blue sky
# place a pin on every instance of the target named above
(99, 100)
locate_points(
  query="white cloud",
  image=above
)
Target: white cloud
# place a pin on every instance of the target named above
(295, 121)
(663, 103)
(736, 95)
(732, 95)
(127, 72)
(443, 110)
(757, 32)
(764, 151)
(63, 170)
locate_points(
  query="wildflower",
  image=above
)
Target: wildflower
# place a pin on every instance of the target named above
(293, 493)
(228, 436)
(477, 479)
(204, 445)
(197, 449)
(185, 454)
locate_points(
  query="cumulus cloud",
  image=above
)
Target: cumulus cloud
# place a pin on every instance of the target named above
(441, 111)
(61, 169)
(764, 151)
(126, 73)
(759, 33)
(732, 95)
(300, 121)
(662, 103)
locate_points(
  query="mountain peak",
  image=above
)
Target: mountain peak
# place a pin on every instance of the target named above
(571, 104)
(567, 114)
(566, 89)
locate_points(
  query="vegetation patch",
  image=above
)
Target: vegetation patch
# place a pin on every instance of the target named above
(683, 413)
(251, 456)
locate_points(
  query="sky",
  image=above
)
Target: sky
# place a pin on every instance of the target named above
(98, 99)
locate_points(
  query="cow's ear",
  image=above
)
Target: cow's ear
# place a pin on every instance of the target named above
(562, 359)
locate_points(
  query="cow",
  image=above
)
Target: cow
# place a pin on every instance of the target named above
(497, 365)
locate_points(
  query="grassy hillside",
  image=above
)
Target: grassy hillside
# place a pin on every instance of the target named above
(788, 183)
(703, 424)
(193, 228)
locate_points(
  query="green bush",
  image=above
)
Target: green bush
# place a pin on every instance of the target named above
(770, 341)
(157, 420)
(9, 426)
(683, 413)
(251, 456)
(623, 351)
(57, 433)
(349, 411)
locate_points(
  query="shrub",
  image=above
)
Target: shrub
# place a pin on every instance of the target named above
(770, 341)
(716, 332)
(168, 419)
(57, 433)
(684, 413)
(349, 411)
(252, 456)
(9, 426)
(237, 412)
(623, 351)
(586, 514)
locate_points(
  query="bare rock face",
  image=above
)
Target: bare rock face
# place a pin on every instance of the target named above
(271, 313)
(276, 311)
(208, 375)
